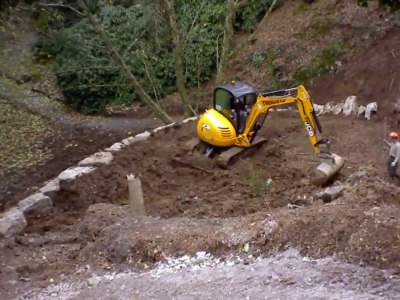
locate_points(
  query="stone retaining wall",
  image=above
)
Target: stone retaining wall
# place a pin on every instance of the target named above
(13, 221)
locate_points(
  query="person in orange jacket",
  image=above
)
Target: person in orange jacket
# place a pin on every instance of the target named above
(394, 154)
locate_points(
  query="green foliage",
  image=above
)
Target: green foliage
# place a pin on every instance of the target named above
(248, 16)
(89, 78)
(258, 183)
(140, 32)
(200, 38)
(257, 59)
(324, 63)
(322, 26)
(302, 8)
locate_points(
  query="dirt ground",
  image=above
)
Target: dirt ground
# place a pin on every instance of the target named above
(190, 210)
(218, 210)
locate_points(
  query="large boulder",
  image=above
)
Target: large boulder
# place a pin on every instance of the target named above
(97, 159)
(361, 110)
(12, 222)
(318, 109)
(337, 109)
(51, 187)
(69, 175)
(139, 137)
(115, 147)
(35, 203)
(371, 107)
(350, 106)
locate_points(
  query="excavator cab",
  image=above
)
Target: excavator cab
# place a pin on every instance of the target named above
(234, 100)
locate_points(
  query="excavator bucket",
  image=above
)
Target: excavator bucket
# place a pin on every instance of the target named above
(327, 169)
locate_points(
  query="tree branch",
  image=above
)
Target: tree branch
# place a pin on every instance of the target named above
(253, 37)
(194, 21)
(242, 3)
(63, 6)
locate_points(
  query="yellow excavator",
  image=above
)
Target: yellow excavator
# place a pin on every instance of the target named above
(238, 112)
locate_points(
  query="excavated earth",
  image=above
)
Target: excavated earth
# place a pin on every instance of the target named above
(215, 210)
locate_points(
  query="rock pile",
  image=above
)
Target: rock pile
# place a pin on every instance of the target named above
(350, 107)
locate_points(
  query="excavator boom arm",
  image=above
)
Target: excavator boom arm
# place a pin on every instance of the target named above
(264, 102)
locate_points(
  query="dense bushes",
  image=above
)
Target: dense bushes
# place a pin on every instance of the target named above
(90, 79)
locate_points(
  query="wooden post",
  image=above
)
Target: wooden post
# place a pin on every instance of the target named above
(135, 195)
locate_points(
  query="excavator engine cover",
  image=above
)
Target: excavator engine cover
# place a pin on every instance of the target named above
(215, 129)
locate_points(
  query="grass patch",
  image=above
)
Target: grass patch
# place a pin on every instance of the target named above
(302, 8)
(323, 26)
(22, 137)
(259, 185)
(257, 59)
(323, 63)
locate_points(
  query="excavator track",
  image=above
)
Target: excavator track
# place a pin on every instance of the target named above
(227, 156)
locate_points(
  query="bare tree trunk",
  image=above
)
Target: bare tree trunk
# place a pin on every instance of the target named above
(232, 6)
(254, 35)
(178, 55)
(158, 111)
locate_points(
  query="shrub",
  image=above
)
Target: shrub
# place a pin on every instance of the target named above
(88, 76)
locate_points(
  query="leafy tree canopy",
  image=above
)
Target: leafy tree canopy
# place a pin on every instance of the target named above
(90, 80)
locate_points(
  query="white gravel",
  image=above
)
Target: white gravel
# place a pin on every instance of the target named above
(286, 275)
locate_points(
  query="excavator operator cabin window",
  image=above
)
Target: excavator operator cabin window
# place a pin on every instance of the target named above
(223, 101)
(251, 100)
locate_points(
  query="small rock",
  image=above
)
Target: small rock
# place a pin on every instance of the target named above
(371, 195)
(361, 174)
(94, 281)
(330, 193)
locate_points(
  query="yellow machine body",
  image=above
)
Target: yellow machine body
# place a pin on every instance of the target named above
(224, 124)
(215, 129)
